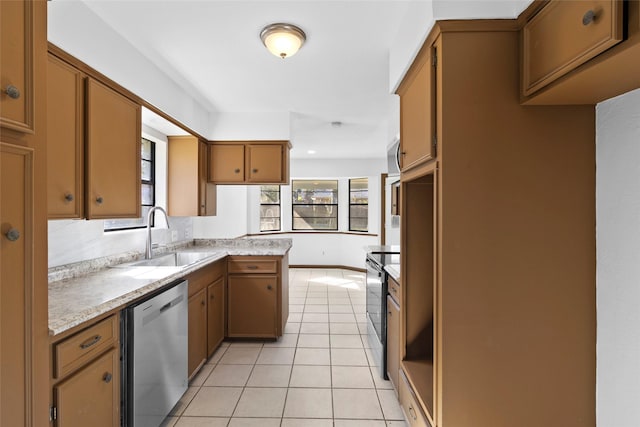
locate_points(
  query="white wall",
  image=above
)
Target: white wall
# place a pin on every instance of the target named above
(618, 261)
(231, 216)
(250, 126)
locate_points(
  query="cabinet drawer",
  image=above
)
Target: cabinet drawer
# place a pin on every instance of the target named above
(252, 265)
(394, 290)
(200, 279)
(566, 34)
(80, 348)
(412, 411)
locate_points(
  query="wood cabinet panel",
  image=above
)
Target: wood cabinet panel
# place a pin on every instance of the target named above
(226, 163)
(197, 331)
(417, 113)
(264, 163)
(113, 154)
(408, 401)
(215, 315)
(17, 50)
(253, 304)
(249, 162)
(65, 140)
(393, 341)
(91, 397)
(16, 285)
(251, 264)
(83, 346)
(189, 193)
(566, 34)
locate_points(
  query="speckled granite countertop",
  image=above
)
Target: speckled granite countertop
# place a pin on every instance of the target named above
(82, 291)
(394, 271)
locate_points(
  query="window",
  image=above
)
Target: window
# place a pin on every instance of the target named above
(270, 208)
(148, 177)
(315, 205)
(358, 204)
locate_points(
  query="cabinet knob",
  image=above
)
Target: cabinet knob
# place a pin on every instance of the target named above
(404, 153)
(389, 312)
(255, 170)
(68, 197)
(107, 377)
(269, 287)
(202, 302)
(99, 200)
(237, 170)
(588, 17)
(13, 234)
(12, 92)
(212, 297)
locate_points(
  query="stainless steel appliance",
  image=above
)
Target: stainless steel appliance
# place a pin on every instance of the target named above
(154, 356)
(376, 287)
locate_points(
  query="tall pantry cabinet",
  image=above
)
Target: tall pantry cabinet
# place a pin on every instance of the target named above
(498, 242)
(24, 370)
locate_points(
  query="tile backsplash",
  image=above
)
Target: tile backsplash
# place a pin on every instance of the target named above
(79, 240)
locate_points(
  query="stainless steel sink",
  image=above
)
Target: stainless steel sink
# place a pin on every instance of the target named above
(172, 259)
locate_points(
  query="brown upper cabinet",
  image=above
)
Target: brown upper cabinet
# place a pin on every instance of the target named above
(81, 133)
(417, 113)
(189, 193)
(65, 140)
(579, 52)
(113, 154)
(16, 57)
(566, 34)
(249, 162)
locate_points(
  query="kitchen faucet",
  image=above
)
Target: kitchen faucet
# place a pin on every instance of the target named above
(151, 211)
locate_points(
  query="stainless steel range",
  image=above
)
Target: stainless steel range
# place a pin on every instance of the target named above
(376, 303)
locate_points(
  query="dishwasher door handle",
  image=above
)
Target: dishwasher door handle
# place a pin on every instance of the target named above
(167, 306)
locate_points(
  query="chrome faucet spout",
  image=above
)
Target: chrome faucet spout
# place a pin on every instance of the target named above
(148, 254)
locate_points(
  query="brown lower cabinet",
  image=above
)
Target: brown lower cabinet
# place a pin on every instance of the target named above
(257, 299)
(86, 376)
(206, 313)
(393, 341)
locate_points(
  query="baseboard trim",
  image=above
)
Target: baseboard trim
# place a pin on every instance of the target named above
(344, 267)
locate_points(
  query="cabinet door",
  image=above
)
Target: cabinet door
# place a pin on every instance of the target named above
(207, 190)
(91, 397)
(417, 113)
(393, 341)
(113, 154)
(252, 306)
(16, 65)
(197, 330)
(215, 315)
(65, 152)
(226, 163)
(16, 282)
(265, 163)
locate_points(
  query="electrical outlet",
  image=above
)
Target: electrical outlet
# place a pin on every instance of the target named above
(174, 235)
(187, 233)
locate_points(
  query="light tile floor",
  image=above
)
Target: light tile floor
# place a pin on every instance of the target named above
(319, 374)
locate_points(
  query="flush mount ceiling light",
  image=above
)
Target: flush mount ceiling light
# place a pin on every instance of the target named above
(282, 40)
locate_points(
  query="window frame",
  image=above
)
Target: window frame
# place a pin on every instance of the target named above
(151, 182)
(279, 205)
(336, 204)
(358, 204)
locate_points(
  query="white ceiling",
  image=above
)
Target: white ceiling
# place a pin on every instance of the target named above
(212, 50)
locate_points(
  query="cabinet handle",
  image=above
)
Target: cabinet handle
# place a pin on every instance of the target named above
(12, 92)
(237, 171)
(202, 302)
(389, 312)
(68, 197)
(91, 341)
(412, 413)
(212, 297)
(269, 287)
(107, 377)
(99, 200)
(255, 170)
(252, 267)
(588, 17)
(13, 234)
(404, 153)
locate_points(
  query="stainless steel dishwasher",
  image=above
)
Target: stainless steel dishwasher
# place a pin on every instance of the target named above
(154, 356)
